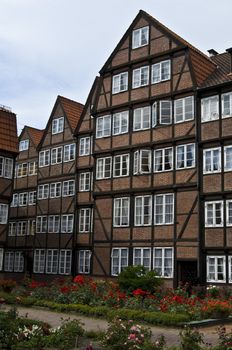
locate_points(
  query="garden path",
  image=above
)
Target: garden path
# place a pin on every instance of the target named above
(55, 320)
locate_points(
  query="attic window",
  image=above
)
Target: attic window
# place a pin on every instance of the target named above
(57, 125)
(140, 37)
(23, 145)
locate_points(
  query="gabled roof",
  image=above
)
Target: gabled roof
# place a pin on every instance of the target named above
(8, 131)
(202, 64)
(72, 110)
(222, 73)
(34, 134)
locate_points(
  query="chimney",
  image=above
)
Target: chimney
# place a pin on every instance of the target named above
(230, 52)
(212, 53)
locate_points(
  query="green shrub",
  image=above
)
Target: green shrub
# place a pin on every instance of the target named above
(191, 339)
(138, 277)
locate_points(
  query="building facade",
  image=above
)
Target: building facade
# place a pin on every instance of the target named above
(142, 173)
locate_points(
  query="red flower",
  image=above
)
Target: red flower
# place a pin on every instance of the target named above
(79, 279)
(178, 299)
(139, 292)
(36, 284)
(64, 289)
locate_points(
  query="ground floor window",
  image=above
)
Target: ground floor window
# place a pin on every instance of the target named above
(142, 256)
(53, 261)
(216, 268)
(1, 258)
(119, 260)
(13, 261)
(163, 262)
(84, 259)
(65, 264)
(39, 261)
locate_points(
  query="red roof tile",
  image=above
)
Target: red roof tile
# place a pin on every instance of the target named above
(8, 131)
(35, 134)
(72, 110)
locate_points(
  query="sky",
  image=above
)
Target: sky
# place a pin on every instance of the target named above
(57, 47)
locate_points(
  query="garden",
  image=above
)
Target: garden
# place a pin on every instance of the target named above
(136, 296)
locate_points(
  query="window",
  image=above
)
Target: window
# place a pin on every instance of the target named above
(229, 269)
(163, 159)
(142, 256)
(143, 210)
(229, 212)
(12, 229)
(85, 182)
(22, 199)
(57, 125)
(67, 223)
(161, 71)
(43, 191)
(2, 166)
(163, 262)
(1, 258)
(185, 156)
(120, 82)
(8, 168)
(44, 158)
(41, 224)
(103, 126)
(53, 223)
(9, 261)
(120, 123)
(65, 263)
(119, 260)
(84, 261)
(228, 158)
(23, 145)
(85, 220)
(142, 118)
(212, 160)
(22, 228)
(31, 227)
(39, 261)
(184, 109)
(121, 165)
(18, 262)
(164, 209)
(121, 211)
(22, 170)
(14, 202)
(85, 146)
(140, 37)
(69, 152)
(227, 105)
(209, 109)
(56, 155)
(103, 168)
(216, 271)
(214, 214)
(140, 77)
(55, 189)
(32, 168)
(142, 161)
(52, 261)
(32, 198)
(68, 188)
(3, 213)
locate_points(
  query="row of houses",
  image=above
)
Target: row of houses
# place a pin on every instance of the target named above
(140, 174)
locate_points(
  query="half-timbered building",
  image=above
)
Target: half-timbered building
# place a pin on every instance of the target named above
(8, 153)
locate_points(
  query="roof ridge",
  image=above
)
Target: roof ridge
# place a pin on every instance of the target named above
(69, 99)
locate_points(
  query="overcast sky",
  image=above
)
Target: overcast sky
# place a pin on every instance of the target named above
(57, 47)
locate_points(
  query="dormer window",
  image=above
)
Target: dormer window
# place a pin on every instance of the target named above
(140, 37)
(120, 82)
(57, 125)
(23, 145)
(161, 71)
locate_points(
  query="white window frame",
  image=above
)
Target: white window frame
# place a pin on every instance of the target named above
(85, 146)
(164, 210)
(228, 216)
(103, 126)
(22, 170)
(85, 220)
(163, 257)
(53, 223)
(182, 116)
(119, 265)
(68, 188)
(9, 261)
(227, 167)
(44, 158)
(32, 168)
(210, 114)
(1, 258)
(56, 155)
(18, 262)
(213, 203)
(3, 213)
(140, 77)
(123, 158)
(39, 260)
(85, 181)
(164, 154)
(141, 114)
(138, 162)
(55, 189)
(117, 83)
(159, 66)
(211, 150)
(229, 94)
(23, 199)
(185, 160)
(139, 211)
(23, 145)
(69, 152)
(51, 268)
(57, 125)
(12, 230)
(122, 118)
(43, 192)
(15, 200)
(40, 221)
(65, 262)
(32, 198)
(216, 265)
(101, 168)
(139, 32)
(84, 261)
(142, 258)
(7, 168)
(67, 221)
(120, 208)
(22, 228)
